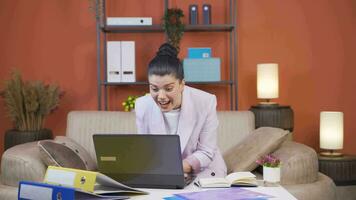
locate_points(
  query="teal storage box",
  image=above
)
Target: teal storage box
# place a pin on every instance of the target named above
(201, 69)
(203, 52)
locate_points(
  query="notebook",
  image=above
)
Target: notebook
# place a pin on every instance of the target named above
(145, 161)
(225, 194)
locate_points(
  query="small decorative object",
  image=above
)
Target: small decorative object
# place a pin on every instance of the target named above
(173, 26)
(193, 14)
(129, 103)
(28, 103)
(271, 168)
(206, 14)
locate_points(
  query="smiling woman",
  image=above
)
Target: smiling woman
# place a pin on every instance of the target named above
(174, 108)
(166, 91)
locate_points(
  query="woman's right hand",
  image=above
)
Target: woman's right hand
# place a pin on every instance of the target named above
(187, 168)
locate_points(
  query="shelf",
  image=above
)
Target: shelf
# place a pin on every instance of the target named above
(125, 83)
(188, 83)
(229, 27)
(209, 28)
(132, 29)
(158, 28)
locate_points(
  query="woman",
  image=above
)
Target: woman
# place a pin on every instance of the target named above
(173, 108)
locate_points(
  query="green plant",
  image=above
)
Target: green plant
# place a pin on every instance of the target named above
(129, 103)
(28, 102)
(96, 7)
(173, 26)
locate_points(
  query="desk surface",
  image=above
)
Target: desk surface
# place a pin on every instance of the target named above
(277, 191)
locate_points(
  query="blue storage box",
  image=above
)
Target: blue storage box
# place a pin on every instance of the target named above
(201, 69)
(199, 52)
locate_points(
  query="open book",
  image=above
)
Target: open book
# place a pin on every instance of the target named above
(243, 179)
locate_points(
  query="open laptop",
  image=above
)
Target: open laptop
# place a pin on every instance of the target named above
(145, 161)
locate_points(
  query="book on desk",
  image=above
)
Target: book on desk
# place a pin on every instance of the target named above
(235, 179)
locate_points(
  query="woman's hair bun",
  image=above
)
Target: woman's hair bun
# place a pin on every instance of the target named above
(167, 50)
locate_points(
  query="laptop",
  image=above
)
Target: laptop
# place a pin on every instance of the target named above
(144, 161)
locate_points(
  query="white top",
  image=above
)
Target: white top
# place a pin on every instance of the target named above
(171, 121)
(278, 192)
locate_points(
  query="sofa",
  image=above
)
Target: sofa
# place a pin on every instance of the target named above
(299, 172)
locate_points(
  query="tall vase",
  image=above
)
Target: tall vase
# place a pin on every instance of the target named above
(272, 174)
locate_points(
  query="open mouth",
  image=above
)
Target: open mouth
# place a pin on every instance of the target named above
(163, 103)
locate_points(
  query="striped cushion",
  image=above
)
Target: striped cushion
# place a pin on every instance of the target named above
(299, 163)
(22, 162)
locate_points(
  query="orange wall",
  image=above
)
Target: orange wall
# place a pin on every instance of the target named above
(313, 42)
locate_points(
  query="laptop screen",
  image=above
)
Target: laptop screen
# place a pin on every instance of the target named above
(138, 154)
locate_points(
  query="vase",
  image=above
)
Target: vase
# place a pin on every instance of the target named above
(272, 174)
(15, 137)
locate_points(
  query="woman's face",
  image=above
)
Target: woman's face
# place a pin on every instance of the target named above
(166, 91)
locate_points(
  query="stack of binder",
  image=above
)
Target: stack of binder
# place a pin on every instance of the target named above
(66, 183)
(121, 61)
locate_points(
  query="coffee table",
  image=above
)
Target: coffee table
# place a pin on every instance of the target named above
(277, 191)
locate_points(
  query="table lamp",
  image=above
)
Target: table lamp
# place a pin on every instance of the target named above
(331, 132)
(270, 113)
(267, 82)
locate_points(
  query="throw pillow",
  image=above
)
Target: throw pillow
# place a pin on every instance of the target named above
(56, 154)
(80, 150)
(65, 152)
(261, 141)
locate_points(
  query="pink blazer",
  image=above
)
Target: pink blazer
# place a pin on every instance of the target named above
(197, 129)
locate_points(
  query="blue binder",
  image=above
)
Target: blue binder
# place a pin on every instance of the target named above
(29, 190)
(33, 190)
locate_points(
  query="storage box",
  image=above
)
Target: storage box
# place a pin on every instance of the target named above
(199, 52)
(201, 69)
(121, 61)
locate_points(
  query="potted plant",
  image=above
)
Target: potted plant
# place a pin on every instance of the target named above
(28, 103)
(129, 103)
(173, 26)
(97, 7)
(271, 168)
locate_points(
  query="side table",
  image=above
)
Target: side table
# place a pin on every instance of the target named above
(341, 169)
(273, 116)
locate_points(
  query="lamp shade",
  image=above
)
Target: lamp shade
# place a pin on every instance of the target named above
(331, 130)
(267, 81)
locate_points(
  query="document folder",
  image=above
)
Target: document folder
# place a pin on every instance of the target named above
(88, 181)
(41, 191)
(114, 72)
(81, 179)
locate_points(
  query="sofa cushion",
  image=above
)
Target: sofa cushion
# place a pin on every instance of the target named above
(65, 152)
(82, 153)
(22, 162)
(261, 141)
(322, 189)
(56, 154)
(299, 163)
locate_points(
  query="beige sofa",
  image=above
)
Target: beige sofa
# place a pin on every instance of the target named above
(300, 174)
